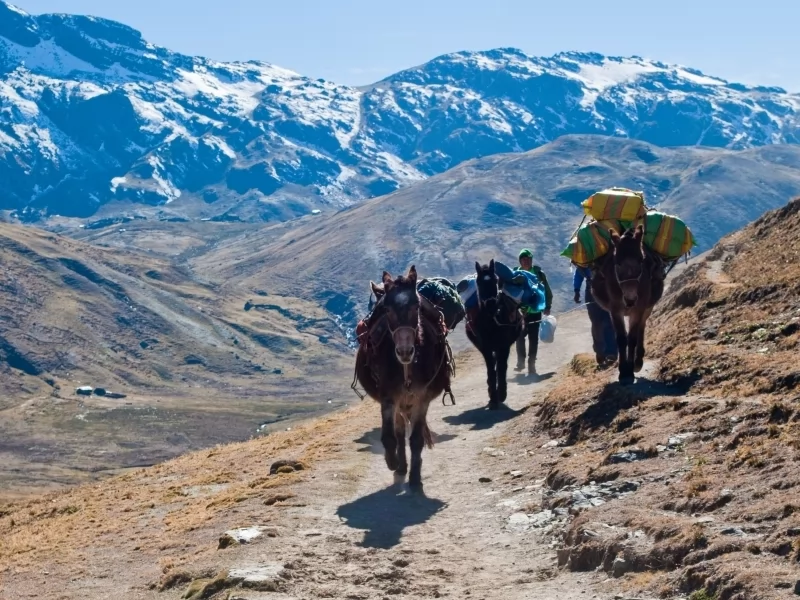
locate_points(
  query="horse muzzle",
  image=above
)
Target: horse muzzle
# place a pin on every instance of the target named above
(404, 339)
(630, 301)
(405, 355)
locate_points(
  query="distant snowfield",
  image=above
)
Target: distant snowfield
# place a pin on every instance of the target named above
(106, 115)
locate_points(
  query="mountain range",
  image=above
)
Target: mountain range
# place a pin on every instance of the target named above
(94, 120)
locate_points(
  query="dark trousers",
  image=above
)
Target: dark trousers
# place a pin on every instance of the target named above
(531, 332)
(604, 339)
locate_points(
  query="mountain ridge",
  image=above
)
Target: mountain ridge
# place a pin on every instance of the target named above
(104, 120)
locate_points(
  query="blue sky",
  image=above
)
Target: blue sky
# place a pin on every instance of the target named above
(360, 41)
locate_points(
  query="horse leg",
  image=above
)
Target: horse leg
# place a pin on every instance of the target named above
(388, 436)
(625, 365)
(491, 377)
(420, 436)
(638, 362)
(400, 437)
(502, 370)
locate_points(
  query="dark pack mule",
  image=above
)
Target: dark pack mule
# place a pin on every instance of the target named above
(403, 362)
(628, 282)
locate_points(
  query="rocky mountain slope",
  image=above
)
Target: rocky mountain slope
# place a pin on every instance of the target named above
(94, 118)
(185, 354)
(492, 207)
(707, 440)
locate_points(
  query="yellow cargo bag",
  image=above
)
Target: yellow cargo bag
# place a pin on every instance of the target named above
(667, 235)
(616, 203)
(590, 242)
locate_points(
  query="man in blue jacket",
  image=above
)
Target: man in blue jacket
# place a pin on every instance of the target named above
(532, 318)
(604, 340)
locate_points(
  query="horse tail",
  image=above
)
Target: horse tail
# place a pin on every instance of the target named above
(427, 435)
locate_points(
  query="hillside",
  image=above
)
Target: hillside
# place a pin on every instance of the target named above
(708, 436)
(184, 352)
(681, 486)
(96, 120)
(492, 207)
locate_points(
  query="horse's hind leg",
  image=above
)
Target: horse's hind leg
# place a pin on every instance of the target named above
(626, 376)
(420, 436)
(388, 436)
(638, 359)
(502, 370)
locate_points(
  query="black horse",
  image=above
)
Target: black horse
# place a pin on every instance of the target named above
(493, 330)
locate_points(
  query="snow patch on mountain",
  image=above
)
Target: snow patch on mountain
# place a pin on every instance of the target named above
(91, 112)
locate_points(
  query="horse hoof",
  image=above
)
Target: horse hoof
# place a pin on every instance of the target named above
(494, 406)
(626, 379)
(638, 366)
(392, 463)
(416, 488)
(399, 478)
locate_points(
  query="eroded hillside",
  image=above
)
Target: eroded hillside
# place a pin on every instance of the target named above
(705, 444)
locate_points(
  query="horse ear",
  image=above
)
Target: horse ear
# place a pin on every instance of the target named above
(412, 274)
(477, 267)
(491, 265)
(614, 237)
(387, 277)
(377, 289)
(639, 233)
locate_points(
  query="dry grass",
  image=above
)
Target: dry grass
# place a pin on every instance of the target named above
(159, 506)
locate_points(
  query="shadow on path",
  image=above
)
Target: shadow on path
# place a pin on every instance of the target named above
(482, 418)
(372, 439)
(525, 379)
(386, 513)
(615, 398)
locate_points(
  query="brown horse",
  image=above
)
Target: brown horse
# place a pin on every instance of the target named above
(403, 362)
(628, 282)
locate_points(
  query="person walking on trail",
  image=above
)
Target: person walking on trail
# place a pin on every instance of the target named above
(604, 340)
(532, 318)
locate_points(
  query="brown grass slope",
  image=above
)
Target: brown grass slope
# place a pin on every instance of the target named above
(713, 430)
(187, 354)
(496, 205)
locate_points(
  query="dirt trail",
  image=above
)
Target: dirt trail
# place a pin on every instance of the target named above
(361, 537)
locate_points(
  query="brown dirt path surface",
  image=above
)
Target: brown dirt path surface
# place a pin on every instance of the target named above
(337, 529)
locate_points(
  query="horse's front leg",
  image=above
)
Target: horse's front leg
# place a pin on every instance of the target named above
(420, 436)
(626, 376)
(502, 371)
(388, 436)
(491, 376)
(400, 437)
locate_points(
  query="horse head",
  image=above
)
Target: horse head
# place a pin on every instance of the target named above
(401, 307)
(629, 262)
(486, 282)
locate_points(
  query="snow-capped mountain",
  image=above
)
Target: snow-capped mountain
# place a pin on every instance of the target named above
(91, 113)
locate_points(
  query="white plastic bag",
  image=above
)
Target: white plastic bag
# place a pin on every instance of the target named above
(547, 329)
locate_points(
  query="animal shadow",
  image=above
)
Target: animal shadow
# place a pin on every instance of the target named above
(385, 514)
(615, 398)
(482, 418)
(525, 379)
(372, 440)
